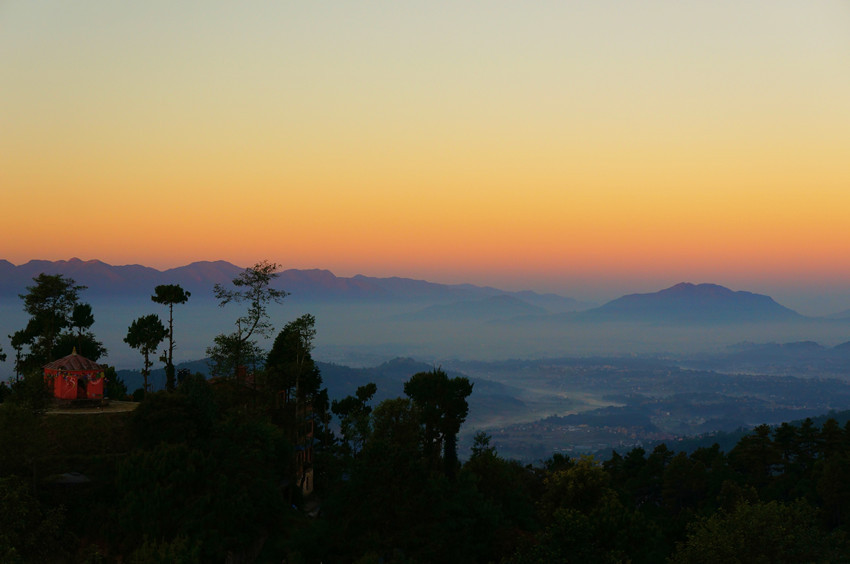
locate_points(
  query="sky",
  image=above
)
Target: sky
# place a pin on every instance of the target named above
(584, 148)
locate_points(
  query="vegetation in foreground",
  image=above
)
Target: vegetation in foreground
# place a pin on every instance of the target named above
(208, 473)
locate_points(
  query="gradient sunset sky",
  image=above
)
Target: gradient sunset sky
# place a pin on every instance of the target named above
(585, 148)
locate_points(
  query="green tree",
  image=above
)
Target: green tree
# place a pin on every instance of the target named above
(79, 336)
(50, 304)
(229, 352)
(29, 532)
(292, 375)
(81, 319)
(219, 487)
(115, 386)
(585, 521)
(761, 532)
(289, 363)
(31, 391)
(396, 425)
(442, 403)
(354, 423)
(85, 344)
(384, 504)
(170, 294)
(756, 457)
(252, 287)
(507, 487)
(18, 341)
(684, 483)
(832, 438)
(22, 439)
(145, 334)
(174, 418)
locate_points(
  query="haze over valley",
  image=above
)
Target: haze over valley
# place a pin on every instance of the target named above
(367, 320)
(550, 372)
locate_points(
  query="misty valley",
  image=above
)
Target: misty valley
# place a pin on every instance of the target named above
(594, 405)
(366, 408)
(551, 374)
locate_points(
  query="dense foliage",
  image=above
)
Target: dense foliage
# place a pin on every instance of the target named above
(206, 472)
(58, 323)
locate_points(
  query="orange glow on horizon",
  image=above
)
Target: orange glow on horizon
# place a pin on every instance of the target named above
(552, 143)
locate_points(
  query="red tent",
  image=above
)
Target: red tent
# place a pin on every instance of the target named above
(75, 377)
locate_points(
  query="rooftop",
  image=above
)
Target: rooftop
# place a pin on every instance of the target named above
(74, 363)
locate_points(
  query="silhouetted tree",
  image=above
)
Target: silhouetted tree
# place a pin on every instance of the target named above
(85, 344)
(29, 532)
(22, 438)
(170, 294)
(442, 404)
(756, 457)
(761, 532)
(18, 340)
(252, 287)
(354, 422)
(289, 363)
(81, 318)
(32, 392)
(50, 304)
(213, 480)
(145, 334)
(115, 386)
(80, 337)
(507, 487)
(229, 353)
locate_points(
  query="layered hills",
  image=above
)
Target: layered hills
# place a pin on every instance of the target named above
(105, 280)
(364, 320)
(683, 302)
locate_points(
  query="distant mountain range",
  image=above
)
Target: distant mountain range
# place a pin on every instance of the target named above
(690, 303)
(364, 321)
(682, 303)
(104, 280)
(800, 358)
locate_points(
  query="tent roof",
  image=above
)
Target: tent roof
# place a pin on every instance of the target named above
(74, 363)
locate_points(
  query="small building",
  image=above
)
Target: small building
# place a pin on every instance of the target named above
(75, 377)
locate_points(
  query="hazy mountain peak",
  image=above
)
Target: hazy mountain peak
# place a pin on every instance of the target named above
(694, 303)
(688, 288)
(314, 274)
